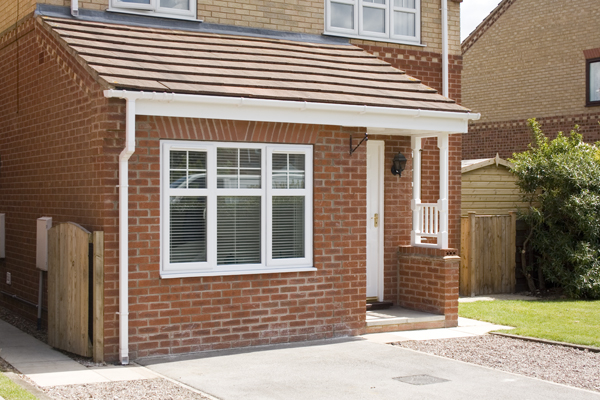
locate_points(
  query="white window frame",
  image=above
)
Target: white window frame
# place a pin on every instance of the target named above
(266, 192)
(359, 33)
(153, 9)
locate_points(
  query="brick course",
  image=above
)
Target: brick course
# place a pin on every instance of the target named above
(484, 140)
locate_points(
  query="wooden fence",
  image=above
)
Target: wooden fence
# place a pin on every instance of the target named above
(488, 254)
(76, 290)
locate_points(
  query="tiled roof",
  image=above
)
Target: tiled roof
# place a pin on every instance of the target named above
(162, 60)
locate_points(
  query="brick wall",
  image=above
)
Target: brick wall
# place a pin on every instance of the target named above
(429, 281)
(485, 139)
(51, 140)
(170, 316)
(530, 62)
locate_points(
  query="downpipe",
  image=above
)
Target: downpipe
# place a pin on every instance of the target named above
(124, 231)
(445, 84)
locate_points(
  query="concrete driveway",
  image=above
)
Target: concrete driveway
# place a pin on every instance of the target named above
(350, 369)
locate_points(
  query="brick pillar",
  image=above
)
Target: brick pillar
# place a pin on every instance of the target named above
(428, 281)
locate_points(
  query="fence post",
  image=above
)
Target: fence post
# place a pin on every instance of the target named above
(513, 247)
(472, 249)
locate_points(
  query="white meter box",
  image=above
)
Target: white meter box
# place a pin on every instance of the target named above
(43, 225)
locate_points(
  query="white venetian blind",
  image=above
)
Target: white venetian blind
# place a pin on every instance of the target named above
(288, 213)
(238, 230)
(187, 170)
(239, 217)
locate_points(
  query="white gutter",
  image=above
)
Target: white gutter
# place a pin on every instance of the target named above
(75, 8)
(124, 231)
(445, 89)
(407, 122)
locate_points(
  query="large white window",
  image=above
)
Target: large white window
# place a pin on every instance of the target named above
(168, 8)
(235, 208)
(388, 20)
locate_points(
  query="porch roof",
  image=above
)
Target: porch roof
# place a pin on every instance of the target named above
(163, 60)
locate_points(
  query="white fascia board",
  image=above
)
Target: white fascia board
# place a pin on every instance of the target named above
(393, 120)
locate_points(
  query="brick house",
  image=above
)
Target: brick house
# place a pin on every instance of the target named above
(215, 157)
(531, 58)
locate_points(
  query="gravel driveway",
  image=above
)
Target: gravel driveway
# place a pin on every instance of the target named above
(559, 364)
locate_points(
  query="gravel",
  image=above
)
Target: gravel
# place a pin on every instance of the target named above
(559, 364)
(154, 389)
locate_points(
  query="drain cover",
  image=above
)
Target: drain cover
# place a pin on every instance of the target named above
(420, 379)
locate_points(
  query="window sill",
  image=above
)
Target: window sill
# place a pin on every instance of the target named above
(593, 104)
(152, 14)
(375, 39)
(223, 271)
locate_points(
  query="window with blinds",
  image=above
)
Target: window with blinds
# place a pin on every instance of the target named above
(230, 208)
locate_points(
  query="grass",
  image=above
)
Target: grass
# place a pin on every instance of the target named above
(11, 391)
(571, 321)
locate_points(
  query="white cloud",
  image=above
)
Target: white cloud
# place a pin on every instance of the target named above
(472, 12)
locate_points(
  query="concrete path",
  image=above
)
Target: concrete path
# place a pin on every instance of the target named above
(352, 369)
(48, 367)
(491, 297)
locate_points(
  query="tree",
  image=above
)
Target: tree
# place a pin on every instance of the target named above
(560, 179)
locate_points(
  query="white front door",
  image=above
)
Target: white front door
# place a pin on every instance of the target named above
(375, 170)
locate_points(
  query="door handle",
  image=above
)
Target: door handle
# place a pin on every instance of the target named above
(376, 220)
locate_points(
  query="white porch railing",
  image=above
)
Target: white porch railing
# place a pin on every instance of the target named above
(428, 220)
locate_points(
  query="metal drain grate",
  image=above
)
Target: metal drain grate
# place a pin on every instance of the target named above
(420, 379)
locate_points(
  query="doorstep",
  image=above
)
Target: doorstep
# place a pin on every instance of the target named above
(401, 319)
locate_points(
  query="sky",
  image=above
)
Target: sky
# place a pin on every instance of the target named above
(472, 12)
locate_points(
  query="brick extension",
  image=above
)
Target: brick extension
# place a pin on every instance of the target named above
(60, 146)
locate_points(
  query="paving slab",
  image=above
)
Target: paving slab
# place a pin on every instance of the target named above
(352, 369)
(48, 367)
(466, 327)
(492, 297)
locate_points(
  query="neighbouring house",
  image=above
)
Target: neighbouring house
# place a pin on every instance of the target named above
(217, 146)
(488, 187)
(531, 58)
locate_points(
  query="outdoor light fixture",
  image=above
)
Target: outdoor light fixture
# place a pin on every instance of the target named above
(398, 164)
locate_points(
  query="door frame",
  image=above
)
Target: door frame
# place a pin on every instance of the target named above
(376, 153)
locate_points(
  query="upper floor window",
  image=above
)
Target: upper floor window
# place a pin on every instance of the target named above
(168, 8)
(387, 20)
(593, 82)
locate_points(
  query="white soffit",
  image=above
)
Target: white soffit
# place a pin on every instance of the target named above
(387, 120)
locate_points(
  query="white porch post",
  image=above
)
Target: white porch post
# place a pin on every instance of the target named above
(415, 237)
(442, 141)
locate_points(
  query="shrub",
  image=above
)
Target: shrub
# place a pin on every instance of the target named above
(561, 180)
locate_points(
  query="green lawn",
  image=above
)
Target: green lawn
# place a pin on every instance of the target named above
(11, 391)
(562, 320)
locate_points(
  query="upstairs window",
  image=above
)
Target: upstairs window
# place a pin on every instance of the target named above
(235, 208)
(168, 8)
(387, 20)
(593, 82)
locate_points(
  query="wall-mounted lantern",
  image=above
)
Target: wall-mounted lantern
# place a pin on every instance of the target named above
(399, 164)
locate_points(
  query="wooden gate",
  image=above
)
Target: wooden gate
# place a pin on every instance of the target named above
(488, 254)
(76, 290)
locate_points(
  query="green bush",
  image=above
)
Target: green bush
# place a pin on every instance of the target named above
(561, 179)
